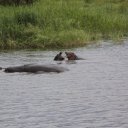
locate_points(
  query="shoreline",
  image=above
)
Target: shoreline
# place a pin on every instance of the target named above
(62, 24)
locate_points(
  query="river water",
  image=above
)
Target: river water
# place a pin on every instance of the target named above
(92, 94)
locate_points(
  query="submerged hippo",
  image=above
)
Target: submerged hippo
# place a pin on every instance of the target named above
(59, 57)
(72, 56)
(35, 68)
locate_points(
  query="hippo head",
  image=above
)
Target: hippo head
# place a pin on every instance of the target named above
(8, 70)
(59, 57)
(71, 56)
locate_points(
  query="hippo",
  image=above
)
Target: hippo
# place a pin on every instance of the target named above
(72, 56)
(31, 68)
(59, 57)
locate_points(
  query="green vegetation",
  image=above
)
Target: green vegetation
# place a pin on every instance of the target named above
(62, 23)
(16, 2)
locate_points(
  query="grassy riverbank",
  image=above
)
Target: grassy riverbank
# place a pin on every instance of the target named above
(62, 23)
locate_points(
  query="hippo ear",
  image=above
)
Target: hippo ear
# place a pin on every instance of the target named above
(60, 53)
(56, 57)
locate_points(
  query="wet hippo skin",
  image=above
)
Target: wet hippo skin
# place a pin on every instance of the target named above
(59, 57)
(35, 68)
(72, 56)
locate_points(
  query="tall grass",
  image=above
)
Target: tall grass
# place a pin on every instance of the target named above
(62, 23)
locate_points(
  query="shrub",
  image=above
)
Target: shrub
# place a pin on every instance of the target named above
(16, 2)
(26, 18)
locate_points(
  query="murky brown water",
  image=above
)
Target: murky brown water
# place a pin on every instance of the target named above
(93, 94)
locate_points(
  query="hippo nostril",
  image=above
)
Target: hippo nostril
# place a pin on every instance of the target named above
(6, 70)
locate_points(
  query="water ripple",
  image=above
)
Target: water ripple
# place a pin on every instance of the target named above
(93, 94)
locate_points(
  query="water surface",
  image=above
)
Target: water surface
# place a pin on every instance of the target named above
(92, 94)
